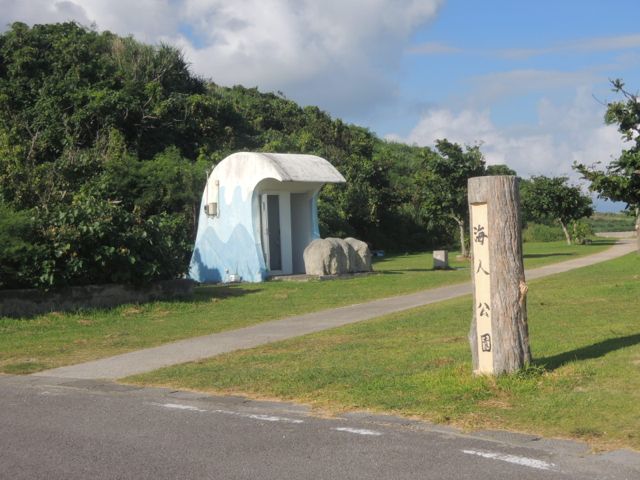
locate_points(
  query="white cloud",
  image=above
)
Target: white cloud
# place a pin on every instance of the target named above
(564, 133)
(588, 45)
(335, 53)
(40, 11)
(343, 55)
(496, 86)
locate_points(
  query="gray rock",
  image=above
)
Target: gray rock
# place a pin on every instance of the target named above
(324, 257)
(349, 254)
(335, 256)
(362, 258)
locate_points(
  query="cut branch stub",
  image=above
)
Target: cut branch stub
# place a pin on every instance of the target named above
(499, 335)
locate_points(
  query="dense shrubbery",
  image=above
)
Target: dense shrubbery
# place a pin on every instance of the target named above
(97, 241)
(17, 248)
(89, 241)
(104, 144)
(538, 232)
(98, 157)
(581, 232)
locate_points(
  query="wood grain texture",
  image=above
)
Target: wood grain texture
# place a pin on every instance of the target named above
(510, 337)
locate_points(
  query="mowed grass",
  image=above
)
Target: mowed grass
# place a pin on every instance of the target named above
(584, 382)
(56, 339)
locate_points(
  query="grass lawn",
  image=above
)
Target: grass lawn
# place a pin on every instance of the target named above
(56, 339)
(584, 383)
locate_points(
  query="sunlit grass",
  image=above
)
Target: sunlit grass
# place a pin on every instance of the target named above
(56, 339)
(584, 382)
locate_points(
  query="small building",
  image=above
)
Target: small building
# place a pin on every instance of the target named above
(258, 214)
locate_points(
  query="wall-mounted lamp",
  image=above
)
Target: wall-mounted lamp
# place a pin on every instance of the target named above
(211, 205)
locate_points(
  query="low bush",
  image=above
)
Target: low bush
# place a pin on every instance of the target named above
(91, 241)
(17, 250)
(581, 231)
(537, 232)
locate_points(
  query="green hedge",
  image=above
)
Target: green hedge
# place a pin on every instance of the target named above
(90, 241)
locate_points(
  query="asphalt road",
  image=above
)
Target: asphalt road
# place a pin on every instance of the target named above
(84, 429)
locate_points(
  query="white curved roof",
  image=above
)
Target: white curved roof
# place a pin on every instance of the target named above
(247, 169)
(250, 168)
(303, 168)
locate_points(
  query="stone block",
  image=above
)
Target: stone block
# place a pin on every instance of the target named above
(440, 260)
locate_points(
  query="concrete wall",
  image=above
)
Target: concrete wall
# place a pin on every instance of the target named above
(230, 243)
(285, 232)
(301, 228)
(30, 302)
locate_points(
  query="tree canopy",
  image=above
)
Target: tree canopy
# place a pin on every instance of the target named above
(620, 179)
(104, 143)
(552, 198)
(442, 182)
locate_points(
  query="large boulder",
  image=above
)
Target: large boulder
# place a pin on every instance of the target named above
(362, 257)
(335, 256)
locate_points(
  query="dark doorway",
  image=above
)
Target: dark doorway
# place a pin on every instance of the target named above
(273, 222)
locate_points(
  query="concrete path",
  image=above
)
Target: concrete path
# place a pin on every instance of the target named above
(211, 345)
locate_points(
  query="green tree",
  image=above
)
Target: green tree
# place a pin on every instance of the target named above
(109, 137)
(620, 179)
(442, 183)
(500, 169)
(552, 199)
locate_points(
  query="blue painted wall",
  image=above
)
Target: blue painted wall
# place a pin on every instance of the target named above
(227, 244)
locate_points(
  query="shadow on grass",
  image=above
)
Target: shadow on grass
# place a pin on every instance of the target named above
(585, 353)
(403, 270)
(595, 243)
(206, 293)
(543, 255)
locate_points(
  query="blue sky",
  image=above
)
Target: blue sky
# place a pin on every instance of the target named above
(564, 43)
(525, 79)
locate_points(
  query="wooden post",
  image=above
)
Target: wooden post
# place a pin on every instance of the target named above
(499, 335)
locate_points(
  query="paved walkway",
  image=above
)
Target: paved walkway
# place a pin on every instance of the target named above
(211, 345)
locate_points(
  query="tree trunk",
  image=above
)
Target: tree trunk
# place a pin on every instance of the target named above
(463, 244)
(638, 228)
(499, 335)
(566, 232)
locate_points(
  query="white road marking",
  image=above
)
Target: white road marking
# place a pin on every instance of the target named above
(254, 416)
(178, 406)
(358, 431)
(270, 418)
(524, 461)
(266, 418)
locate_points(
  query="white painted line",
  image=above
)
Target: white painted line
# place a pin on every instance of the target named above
(358, 431)
(178, 406)
(271, 418)
(524, 461)
(254, 416)
(265, 418)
